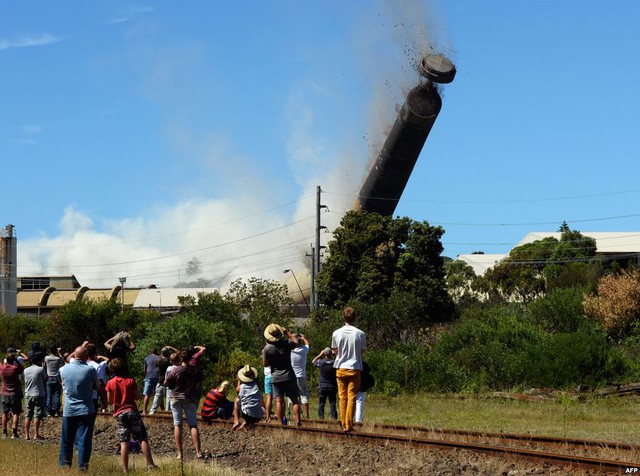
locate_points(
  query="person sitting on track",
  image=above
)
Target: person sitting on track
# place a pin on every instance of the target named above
(215, 405)
(248, 404)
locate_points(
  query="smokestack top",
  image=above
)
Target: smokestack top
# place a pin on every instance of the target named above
(437, 68)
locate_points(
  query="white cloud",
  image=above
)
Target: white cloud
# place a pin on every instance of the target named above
(41, 40)
(131, 12)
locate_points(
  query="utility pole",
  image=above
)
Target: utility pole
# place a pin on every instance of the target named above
(319, 227)
(123, 280)
(314, 297)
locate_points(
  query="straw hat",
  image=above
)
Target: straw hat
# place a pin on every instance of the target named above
(273, 333)
(247, 374)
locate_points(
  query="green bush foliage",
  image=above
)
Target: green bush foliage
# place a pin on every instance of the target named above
(182, 331)
(502, 349)
(388, 366)
(545, 343)
(20, 331)
(560, 311)
(228, 364)
(566, 359)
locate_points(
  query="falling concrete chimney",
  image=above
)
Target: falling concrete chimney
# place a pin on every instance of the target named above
(389, 175)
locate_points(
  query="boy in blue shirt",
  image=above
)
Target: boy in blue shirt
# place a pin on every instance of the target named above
(249, 401)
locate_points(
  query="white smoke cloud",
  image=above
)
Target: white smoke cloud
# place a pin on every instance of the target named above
(245, 232)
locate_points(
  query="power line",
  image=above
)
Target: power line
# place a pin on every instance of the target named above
(510, 200)
(188, 231)
(220, 245)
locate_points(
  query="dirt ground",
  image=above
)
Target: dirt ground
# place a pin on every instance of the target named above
(264, 451)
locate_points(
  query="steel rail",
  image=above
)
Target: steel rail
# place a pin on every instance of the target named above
(555, 440)
(565, 460)
(573, 461)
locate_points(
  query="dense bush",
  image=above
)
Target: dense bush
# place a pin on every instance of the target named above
(498, 350)
(502, 349)
(566, 359)
(548, 342)
(20, 331)
(390, 369)
(180, 332)
(559, 311)
(228, 364)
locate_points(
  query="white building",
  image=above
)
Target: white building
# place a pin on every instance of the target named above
(614, 245)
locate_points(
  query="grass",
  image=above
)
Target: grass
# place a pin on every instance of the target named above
(23, 457)
(603, 418)
(595, 418)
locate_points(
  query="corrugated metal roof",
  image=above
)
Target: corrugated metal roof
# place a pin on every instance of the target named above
(97, 294)
(60, 298)
(28, 298)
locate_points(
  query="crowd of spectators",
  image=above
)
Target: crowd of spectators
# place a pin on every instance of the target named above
(84, 383)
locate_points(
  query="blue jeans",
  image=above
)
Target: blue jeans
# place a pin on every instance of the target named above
(190, 411)
(52, 403)
(149, 386)
(323, 395)
(77, 429)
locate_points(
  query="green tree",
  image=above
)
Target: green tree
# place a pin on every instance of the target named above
(260, 302)
(97, 321)
(21, 330)
(533, 268)
(460, 277)
(373, 256)
(84, 319)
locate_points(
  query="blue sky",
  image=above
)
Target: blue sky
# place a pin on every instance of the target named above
(137, 136)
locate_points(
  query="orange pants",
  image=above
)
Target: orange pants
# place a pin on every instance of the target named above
(348, 386)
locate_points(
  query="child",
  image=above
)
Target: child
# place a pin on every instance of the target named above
(249, 401)
(122, 393)
(175, 361)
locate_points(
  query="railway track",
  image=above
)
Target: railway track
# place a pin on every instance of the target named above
(567, 453)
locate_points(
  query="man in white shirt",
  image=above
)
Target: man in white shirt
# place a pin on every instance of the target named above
(348, 342)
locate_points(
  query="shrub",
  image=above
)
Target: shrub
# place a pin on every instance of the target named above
(560, 310)
(387, 367)
(228, 364)
(617, 303)
(181, 331)
(567, 359)
(488, 344)
(21, 330)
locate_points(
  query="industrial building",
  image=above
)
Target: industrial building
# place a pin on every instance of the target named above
(621, 246)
